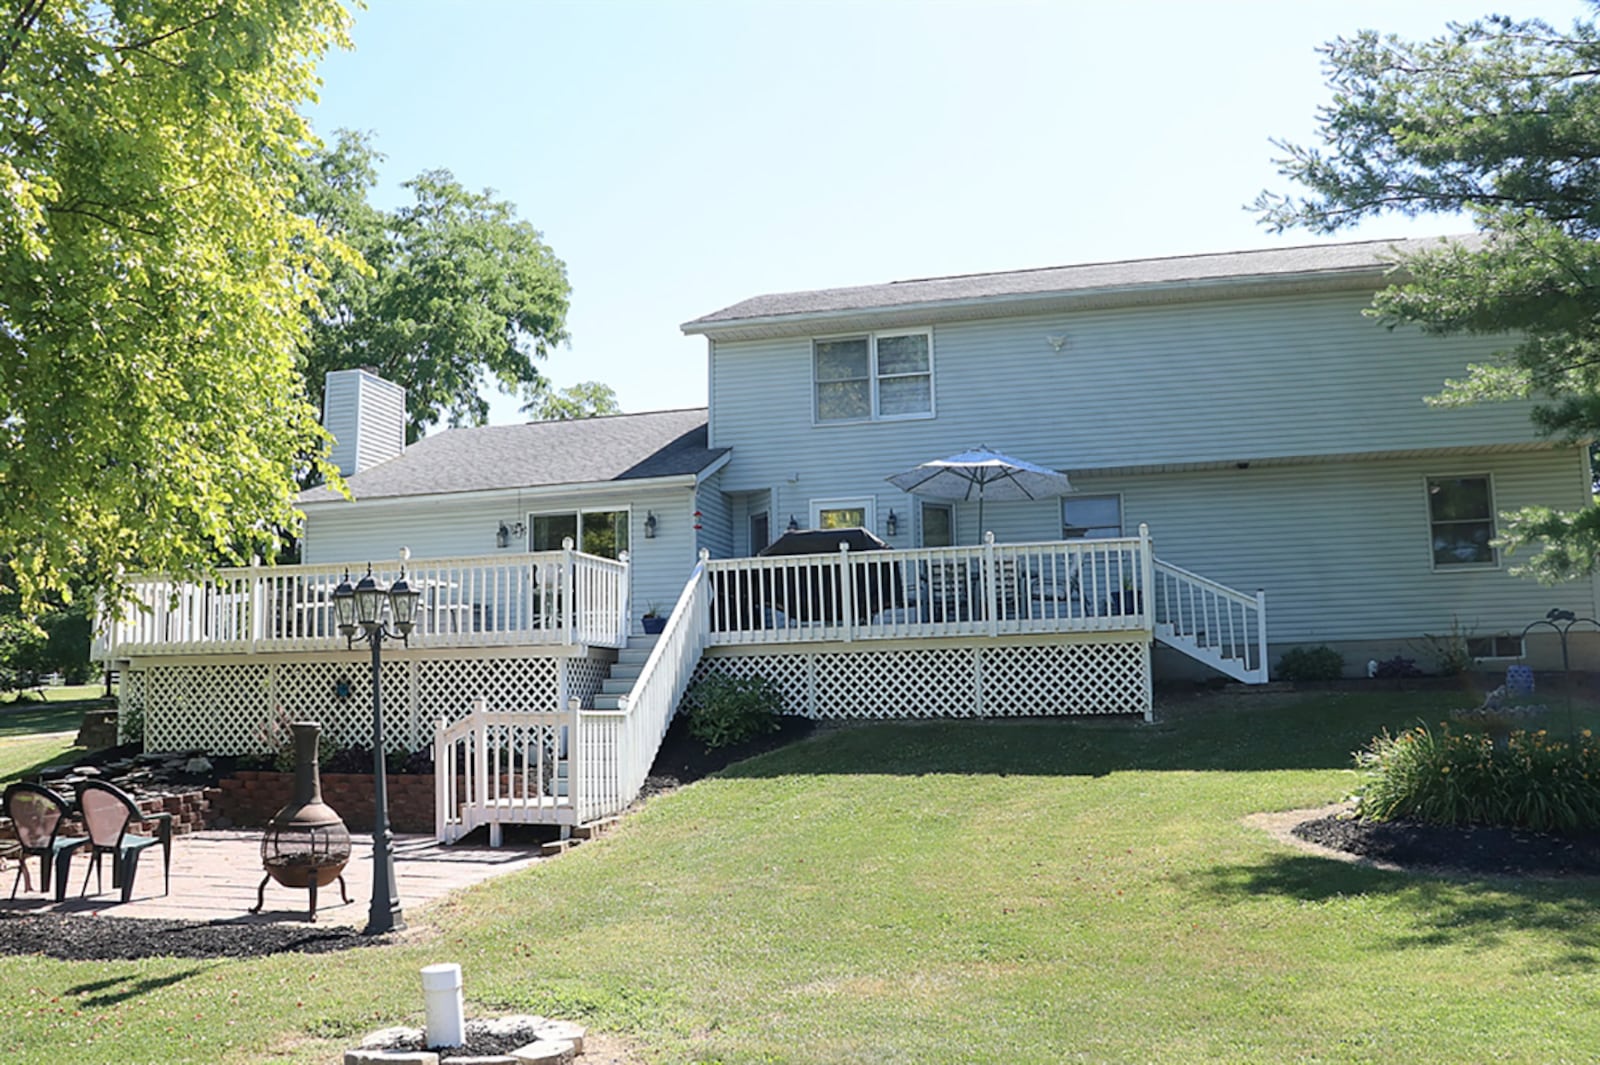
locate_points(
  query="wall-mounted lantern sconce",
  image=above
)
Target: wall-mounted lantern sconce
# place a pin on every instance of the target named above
(793, 526)
(504, 535)
(649, 525)
(892, 524)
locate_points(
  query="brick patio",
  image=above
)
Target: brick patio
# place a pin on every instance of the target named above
(215, 873)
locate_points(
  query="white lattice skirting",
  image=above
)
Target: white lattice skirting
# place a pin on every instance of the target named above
(232, 707)
(1085, 675)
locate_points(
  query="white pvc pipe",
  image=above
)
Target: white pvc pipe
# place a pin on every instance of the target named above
(442, 1005)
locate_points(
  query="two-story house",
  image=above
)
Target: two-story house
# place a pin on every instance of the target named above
(1252, 467)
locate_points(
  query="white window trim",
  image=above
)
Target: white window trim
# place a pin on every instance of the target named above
(873, 378)
(923, 505)
(577, 543)
(1122, 510)
(869, 504)
(1494, 524)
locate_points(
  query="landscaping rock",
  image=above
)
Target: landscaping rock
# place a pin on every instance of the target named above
(562, 1032)
(390, 1057)
(398, 1037)
(546, 1052)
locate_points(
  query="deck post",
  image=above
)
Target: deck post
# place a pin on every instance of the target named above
(991, 594)
(569, 579)
(574, 759)
(847, 593)
(1147, 576)
(480, 734)
(1261, 634)
(444, 786)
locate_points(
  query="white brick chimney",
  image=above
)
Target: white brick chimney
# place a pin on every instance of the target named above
(366, 416)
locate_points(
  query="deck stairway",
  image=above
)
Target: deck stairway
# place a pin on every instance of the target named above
(575, 765)
(1211, 623)
(630, 663)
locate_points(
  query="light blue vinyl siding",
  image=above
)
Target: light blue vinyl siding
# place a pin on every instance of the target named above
(1324, 404)
(448, 527)
(716, 518)
(1214, 382)
(1344, 549)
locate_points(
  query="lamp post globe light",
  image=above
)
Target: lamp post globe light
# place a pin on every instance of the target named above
(358, 610)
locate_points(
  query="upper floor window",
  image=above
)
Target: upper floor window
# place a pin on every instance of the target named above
(1461, 521)
(877, 376)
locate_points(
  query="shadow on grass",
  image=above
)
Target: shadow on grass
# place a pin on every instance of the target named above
(1244, 733)
(1435, 910)
(30, 718)
(117, 989)
(27, 772)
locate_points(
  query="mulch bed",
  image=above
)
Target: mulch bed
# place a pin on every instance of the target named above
(683, 759)
(85, 938)
(1471, 849)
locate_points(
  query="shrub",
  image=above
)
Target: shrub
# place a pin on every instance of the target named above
(1451, 652)
(1310, 663)
(1456, 778)
(725, 710)
(1397, 666)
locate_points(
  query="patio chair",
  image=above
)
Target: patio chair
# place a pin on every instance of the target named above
(37, 813)
(108, 813)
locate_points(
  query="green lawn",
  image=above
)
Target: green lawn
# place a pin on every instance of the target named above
(950, 892)
(60, 710)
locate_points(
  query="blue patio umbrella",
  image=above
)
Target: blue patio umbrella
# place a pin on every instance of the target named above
(984, 473)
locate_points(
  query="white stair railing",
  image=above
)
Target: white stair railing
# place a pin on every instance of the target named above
(501, 767)
(615, 748)
(1211, 623)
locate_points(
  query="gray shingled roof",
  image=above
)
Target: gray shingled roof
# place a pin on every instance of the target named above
(1364, 257)
(621, 447)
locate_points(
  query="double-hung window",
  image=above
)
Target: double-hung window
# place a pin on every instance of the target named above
(1091, 517)
(1461, 521)
(879, 376)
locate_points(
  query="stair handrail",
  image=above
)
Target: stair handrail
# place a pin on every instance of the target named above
(1210, 585)
(1167, 611)
(642, 716)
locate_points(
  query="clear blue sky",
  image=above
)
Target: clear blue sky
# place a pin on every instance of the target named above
(680, 157)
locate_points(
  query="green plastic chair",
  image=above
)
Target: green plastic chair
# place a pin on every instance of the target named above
(37, 812)
(108, 812)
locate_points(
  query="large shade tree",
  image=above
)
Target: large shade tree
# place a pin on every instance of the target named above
(153, 274)
(1498, 121)
(455, 289)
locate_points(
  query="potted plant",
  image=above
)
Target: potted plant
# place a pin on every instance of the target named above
(653, 621)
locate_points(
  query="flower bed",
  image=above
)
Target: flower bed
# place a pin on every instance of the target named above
(1441, 776)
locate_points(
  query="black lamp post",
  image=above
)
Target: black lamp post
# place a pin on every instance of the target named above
(362, 606)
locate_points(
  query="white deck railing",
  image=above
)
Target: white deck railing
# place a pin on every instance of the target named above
(616, 747)
(551, 597)
(1211, 622)
(502, 767)
(989, 590)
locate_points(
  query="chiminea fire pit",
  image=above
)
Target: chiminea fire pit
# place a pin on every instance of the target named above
(306, 844)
